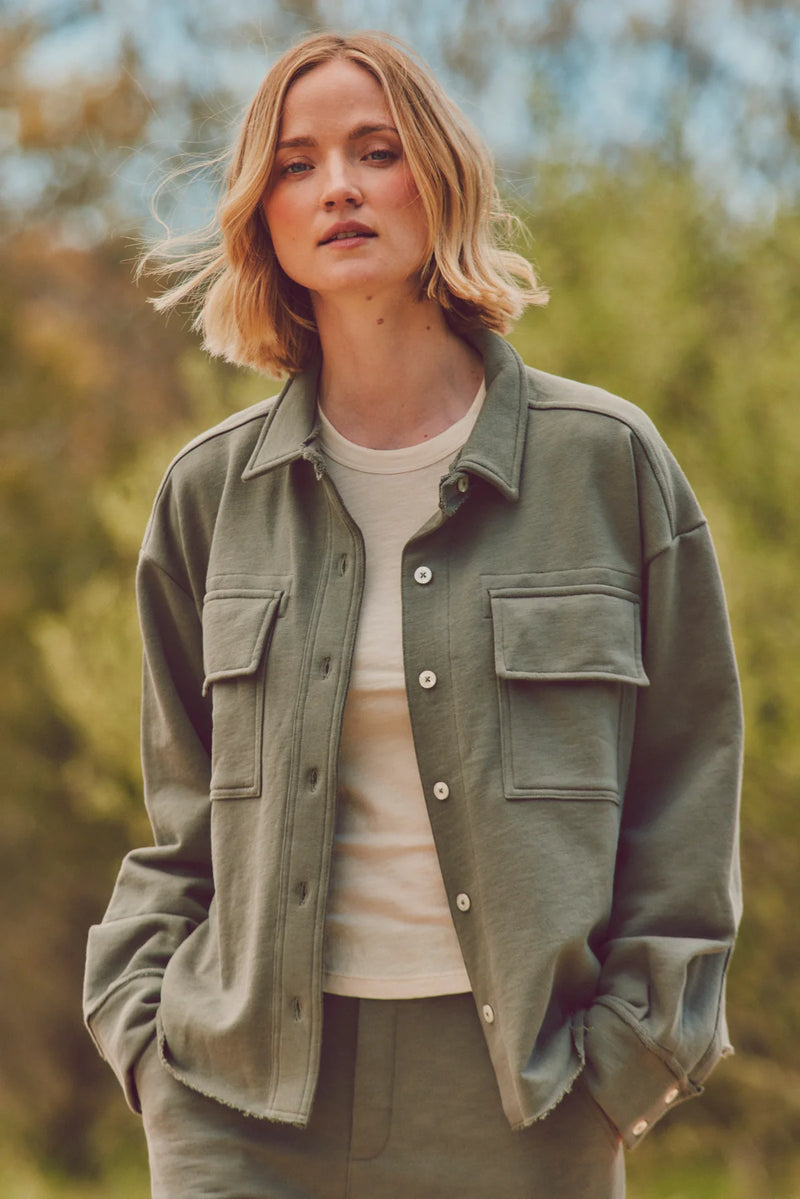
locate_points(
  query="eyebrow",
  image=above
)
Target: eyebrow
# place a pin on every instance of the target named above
(291, 143)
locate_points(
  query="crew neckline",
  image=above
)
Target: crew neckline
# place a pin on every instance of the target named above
(405, 458)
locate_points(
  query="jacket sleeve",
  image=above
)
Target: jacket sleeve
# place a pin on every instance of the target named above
(163, 891)
(657, 1026)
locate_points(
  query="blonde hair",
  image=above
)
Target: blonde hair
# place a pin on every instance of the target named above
(250, 312)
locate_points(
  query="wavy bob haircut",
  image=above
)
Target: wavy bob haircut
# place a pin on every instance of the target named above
(251, 313)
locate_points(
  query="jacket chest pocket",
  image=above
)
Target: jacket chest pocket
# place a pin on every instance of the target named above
(568, 664)
(237, 629)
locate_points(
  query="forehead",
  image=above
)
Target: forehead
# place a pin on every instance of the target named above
(338, 91)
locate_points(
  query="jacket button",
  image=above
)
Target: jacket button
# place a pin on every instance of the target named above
(463, 901)
(463, 483)
(427, 679)
(487, 1011)
(441, 790)
(423, 574)
(671, 1095)
(639, 1127)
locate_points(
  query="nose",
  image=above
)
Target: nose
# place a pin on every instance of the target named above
(339, 187)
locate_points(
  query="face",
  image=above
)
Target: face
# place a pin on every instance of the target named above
(342, 207)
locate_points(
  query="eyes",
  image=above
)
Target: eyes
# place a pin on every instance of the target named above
(379, 156)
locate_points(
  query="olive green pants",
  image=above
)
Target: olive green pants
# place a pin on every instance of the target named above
(407, 1107)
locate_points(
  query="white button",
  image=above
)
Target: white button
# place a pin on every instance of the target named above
(463, 901)
(463, 483)
(441, 790)
(487, 1011)
(671, 1095)
(639, 1127)
(423, 574)
(427, 679)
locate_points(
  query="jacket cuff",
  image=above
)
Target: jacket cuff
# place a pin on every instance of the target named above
(122, 1026)
(633, 1080)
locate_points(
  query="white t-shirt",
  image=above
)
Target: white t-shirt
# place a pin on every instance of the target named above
(389, 931)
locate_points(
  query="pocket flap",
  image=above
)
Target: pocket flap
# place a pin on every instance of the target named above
(589, 634)
(235, 630)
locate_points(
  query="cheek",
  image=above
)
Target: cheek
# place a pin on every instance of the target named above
(405, 200)
(406, 193)
(280, 218)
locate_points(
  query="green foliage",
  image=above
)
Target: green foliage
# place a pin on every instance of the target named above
(658, 295)
(72, 341)
(89, 376)
(122, 1174)
(91, 650)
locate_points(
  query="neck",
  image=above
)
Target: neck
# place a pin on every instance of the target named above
(393, 372)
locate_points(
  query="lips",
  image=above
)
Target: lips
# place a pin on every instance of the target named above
(346, 231)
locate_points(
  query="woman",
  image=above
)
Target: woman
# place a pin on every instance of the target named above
(441, 720)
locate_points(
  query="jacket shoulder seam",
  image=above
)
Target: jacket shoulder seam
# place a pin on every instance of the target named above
(146, 555)
(701, 524)
(635, 420)
(257, 412)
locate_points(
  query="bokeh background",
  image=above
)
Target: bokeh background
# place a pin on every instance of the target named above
(651, 148)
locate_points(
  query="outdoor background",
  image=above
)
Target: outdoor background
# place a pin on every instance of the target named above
(652, 149)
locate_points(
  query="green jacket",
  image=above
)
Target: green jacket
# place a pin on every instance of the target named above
(571, 682)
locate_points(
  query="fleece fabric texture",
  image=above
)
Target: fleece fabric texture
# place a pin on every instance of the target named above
(571, 682)
(384, 1123)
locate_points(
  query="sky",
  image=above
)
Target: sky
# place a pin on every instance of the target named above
(613, 94)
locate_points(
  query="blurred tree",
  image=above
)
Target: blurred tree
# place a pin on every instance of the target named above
(98, 96)
(90, 375)
(660, 293)
(95, 638)
(662, 297)
(88, 372)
